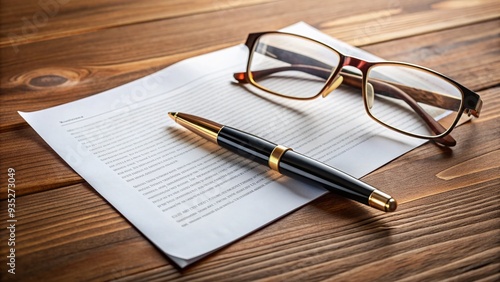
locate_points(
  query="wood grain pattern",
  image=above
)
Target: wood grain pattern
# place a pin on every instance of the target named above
(394, 21)
(39, 166)
(44, 20)
(445, 228)
(343, 234)
(472, 166)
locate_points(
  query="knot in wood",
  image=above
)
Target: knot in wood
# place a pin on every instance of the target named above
(47, 80)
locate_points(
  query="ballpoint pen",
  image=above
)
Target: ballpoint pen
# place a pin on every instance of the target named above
(286, 161)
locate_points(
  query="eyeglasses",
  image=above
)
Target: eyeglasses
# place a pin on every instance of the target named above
(410, 99)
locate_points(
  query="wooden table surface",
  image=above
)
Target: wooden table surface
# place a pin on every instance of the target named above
(447, 224)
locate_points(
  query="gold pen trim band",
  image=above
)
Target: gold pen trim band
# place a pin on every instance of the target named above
(382, 201)
(275, 157)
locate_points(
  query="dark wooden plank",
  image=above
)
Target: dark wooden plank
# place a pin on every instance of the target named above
(78, 236)
(69, 227)
(470, 54)
(38, 167)
(41, 20)
(24, 150)
(32, 21)
(56, 71)
(393, 21)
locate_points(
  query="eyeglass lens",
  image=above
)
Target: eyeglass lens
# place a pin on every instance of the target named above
(294, 76)
(404, 97)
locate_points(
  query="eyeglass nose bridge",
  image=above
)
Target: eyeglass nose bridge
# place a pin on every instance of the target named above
(357, 63)
(347, 61)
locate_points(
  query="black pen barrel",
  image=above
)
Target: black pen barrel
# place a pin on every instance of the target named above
(245, 144)
(295, 165)
(300, 167)
(286, 161)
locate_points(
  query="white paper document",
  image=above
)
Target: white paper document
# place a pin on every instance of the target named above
(187, 195)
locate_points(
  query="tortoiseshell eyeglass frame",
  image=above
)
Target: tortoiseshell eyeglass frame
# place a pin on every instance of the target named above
(470, 103)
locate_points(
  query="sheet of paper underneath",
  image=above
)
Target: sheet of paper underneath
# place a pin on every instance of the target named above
(187, 195)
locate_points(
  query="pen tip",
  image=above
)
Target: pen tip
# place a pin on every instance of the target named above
(172, 115)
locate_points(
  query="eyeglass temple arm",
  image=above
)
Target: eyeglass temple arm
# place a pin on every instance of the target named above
(242, 77)
(356, 81)
(419, 95)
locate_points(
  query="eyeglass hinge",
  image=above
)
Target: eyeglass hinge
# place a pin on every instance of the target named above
(475, 112)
